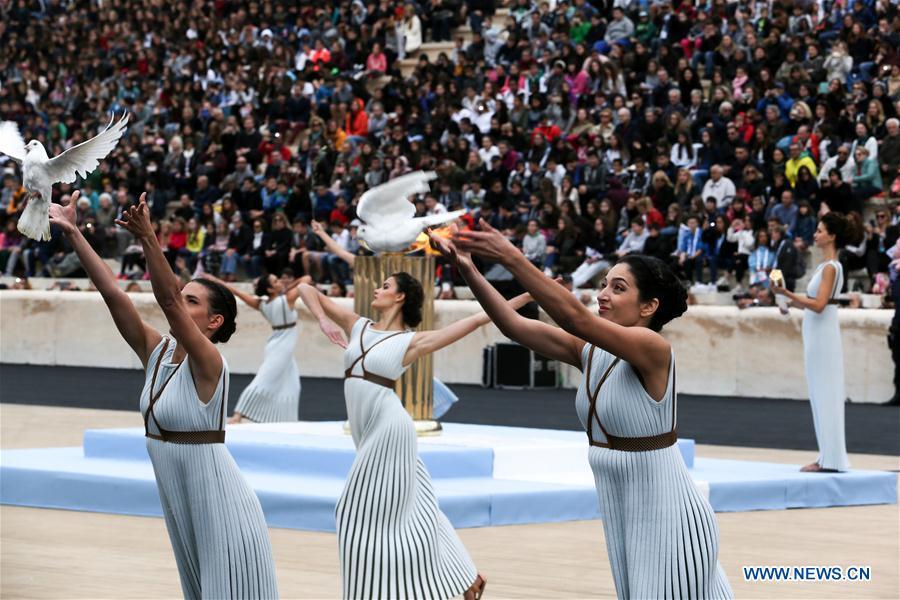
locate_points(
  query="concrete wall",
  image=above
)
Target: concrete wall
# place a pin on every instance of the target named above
(720, 350)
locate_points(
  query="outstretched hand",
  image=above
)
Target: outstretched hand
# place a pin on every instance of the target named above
(487, 243)
(332, 332)
(63, 215)
(449, 249)
(137, 220)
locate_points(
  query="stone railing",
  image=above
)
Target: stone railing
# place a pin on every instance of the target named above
(720, 350)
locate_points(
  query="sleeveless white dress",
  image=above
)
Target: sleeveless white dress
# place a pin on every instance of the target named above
(274, 394)
(393, 539)
(824, 362)
(214, 519)
(661, 534)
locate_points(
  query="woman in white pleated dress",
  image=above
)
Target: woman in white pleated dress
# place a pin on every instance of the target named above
(822, 349)
(661, 533)
(274, 393)
(393, 539)
(214, 519)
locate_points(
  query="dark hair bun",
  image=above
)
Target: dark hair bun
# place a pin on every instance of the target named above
(415, 298)
(843, 229)
(655, 279)
(221, 302)
(262, 285)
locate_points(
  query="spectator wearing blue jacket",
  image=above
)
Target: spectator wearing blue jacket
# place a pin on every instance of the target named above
(691, 250)
(785, 211)
(761, 260)
(778, 96)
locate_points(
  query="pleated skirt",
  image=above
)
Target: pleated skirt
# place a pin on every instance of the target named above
(661, 534)
(215, 522)
(273, 395)
(393, 539)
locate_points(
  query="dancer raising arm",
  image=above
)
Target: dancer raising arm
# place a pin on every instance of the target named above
(393, 539)
(274, 393)
(184, 409)
(661, 533)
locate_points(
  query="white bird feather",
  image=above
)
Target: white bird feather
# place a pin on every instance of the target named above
(40, 172)
(389, 216)
(11, 142)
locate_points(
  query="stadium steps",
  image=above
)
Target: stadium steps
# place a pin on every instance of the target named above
(434, 49)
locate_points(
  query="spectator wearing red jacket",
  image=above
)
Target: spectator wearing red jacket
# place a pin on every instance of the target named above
(320, 56)
(548, 130)
(649, 213)
(357, 121)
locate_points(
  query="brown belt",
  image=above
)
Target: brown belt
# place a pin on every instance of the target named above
(834, 301)
(614, 442)
(288, 326)
(638, 444)
(216, 436)
(372, 378)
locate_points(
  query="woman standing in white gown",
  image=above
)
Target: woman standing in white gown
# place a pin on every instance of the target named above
(661, 533)
(822, 350)
(274, 393)
(214, 519)
(393, 539)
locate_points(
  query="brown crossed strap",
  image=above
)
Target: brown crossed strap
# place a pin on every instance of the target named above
(361, 360)
(284, 317)
(614, 442)
(216, 436)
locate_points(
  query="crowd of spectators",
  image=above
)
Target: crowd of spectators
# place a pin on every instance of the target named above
(708, 133)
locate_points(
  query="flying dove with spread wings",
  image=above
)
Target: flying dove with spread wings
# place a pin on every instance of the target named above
(389, 216)
(40, 172)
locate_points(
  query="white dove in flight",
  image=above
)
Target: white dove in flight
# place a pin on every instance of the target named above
(40, 172)
(389, 216)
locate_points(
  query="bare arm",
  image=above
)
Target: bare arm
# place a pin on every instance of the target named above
(292, 292)
(205, 360)
(250, 300)
(544, 339)
(643, 348)
(426, 342)
(331, 245)
(817, 304)
(328, 313)
(139, 335)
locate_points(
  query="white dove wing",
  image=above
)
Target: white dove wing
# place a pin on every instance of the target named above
(11, 142)
(388, 203)
(86, 156)
(432, 220)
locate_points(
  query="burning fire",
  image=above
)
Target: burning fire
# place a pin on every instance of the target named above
(423, 243)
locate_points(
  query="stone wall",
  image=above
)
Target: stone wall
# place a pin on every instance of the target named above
(720, 350)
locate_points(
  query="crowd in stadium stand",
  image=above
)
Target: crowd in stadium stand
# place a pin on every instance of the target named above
(711, 134)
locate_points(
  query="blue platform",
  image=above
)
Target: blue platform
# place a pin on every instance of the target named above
(483, 475)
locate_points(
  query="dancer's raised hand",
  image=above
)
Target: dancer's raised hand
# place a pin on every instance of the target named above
(63, 215)
(449, 249)
(137, 220)
(487, 243)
